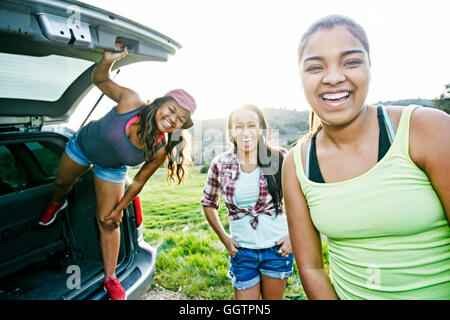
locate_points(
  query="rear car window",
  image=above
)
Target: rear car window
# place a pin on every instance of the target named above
(10, 177)
(38, 78)
(27, 165)
(47, 158)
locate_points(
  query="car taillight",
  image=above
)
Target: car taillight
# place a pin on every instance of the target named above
(138, 211)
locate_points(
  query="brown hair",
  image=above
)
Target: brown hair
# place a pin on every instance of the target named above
(269, 159)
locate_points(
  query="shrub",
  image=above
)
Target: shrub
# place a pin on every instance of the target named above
(204, 168)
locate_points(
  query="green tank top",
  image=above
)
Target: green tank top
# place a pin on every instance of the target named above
(388, 237)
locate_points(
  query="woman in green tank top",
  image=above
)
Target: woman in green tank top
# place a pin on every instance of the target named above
(385, 215)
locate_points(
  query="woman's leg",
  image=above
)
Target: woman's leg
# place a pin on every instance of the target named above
(108, 196)
(67, 174)
(272, 289)
(252, 293)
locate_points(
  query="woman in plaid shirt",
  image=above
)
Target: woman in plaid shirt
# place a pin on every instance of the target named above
(249, 178)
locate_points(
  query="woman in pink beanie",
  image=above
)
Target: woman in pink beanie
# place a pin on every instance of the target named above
(131, 133)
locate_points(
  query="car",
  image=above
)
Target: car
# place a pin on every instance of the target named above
(48, 50)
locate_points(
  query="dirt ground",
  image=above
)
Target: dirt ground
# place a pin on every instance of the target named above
(159, 293)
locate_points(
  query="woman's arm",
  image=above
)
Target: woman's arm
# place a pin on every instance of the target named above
(305, 239)
(213, 219)
(429, 148)
(126, 98)
(210, 204)
(136, 186)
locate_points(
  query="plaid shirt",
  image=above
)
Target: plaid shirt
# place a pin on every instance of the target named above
(222, 176)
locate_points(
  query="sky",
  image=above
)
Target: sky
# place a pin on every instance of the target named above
(236, 52)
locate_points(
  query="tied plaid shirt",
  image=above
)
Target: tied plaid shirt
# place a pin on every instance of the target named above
(222, 176)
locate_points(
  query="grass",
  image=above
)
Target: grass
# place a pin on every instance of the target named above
(190, 257)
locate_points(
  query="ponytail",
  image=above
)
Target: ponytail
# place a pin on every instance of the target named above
(314, 124)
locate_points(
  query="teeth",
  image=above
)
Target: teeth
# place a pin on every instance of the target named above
(335, 96)
(168, 124)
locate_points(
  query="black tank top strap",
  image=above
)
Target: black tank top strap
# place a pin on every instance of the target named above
(383, 146)
(383, 141)
(314, 169)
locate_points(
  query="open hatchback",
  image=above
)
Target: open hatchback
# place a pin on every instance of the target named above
(48, 50)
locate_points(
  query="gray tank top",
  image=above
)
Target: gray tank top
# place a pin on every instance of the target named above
(105, 142)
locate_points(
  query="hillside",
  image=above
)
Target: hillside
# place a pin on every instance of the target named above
(407, 102)
(209, 136)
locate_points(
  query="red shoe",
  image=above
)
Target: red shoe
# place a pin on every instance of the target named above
(51, 211)
(114, 289)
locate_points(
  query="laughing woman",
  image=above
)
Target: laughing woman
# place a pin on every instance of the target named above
(374, 180)
(249, 178)
(128, 135)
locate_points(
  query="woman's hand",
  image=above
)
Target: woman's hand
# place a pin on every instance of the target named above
(127, 100)
(113, 219)
(231, 245)
(111, 56)
(285, 248)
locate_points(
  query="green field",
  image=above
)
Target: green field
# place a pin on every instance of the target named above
(190, 256)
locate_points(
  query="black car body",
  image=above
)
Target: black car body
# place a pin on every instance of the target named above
(48, 50)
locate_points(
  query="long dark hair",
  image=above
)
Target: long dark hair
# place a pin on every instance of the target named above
(269, 159)
(175, 145)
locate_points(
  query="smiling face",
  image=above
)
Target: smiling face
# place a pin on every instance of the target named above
(170, 116)
(335, 73)
(245, 130)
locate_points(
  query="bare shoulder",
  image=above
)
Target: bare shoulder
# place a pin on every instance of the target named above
(294, 199)
(289, 166)
(160, 155)
(429, 135)
(129, 101)
(158, 158)
(288, 171)
(429, 119)
(289, 158)
(423, 118)
(290, 155)
(302, 144)
(395, 113)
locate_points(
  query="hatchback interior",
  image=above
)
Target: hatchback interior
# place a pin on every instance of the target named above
(35, 260)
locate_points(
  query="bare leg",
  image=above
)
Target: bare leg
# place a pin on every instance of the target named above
(108, 196)
(252, 293)
(68, 173)
(272, 289)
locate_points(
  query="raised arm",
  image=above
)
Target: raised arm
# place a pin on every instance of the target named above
(127, 99)
(305, 239)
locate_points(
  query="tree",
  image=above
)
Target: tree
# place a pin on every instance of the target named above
(443, 102)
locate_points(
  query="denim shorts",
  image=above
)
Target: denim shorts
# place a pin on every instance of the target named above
(248, 264)
(114, 175)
